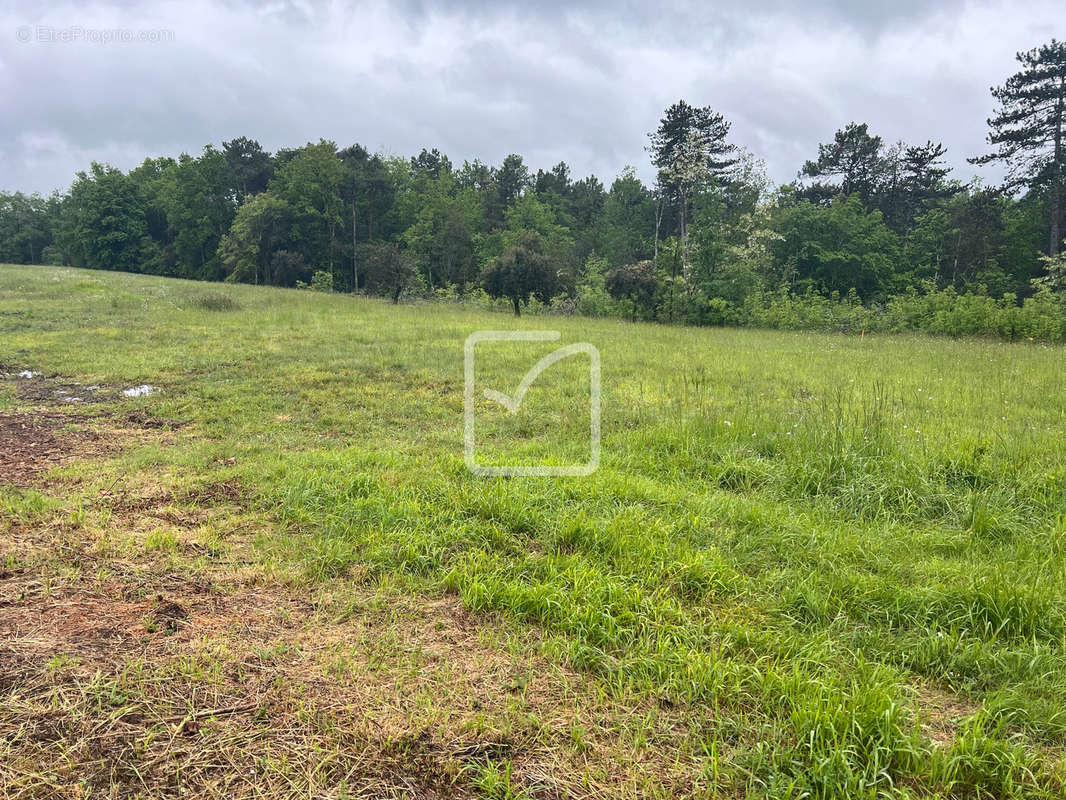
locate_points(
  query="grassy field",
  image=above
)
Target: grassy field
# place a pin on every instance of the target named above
(808, 565)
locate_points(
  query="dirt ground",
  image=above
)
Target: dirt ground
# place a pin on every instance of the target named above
(36, 441)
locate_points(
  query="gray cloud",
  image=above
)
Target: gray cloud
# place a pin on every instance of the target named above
(553, 82)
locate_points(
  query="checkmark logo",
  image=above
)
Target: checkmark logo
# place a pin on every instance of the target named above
(513, 402)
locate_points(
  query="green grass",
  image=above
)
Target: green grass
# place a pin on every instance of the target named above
(802, 538)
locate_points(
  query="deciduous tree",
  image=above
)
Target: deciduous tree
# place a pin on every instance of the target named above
(523, 271)
(310, 182)
(388, 270)
(259, 230)
(250, 166)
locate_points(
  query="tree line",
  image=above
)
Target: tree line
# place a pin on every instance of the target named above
(865, 222)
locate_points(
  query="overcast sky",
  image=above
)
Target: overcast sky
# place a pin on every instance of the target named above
(567, 81)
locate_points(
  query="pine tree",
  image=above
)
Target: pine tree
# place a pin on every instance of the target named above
(1029, 129)
(689, 149)
(855, 157)
(923, 181)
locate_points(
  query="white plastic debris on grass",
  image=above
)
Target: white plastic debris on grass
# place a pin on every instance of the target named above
(144, 390)
(26, 373)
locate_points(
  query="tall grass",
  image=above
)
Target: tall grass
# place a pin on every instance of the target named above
(801, 533)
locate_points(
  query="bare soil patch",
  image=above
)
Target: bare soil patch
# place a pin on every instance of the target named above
(39, 390)
(51, 429)
(33, 388)
(33, 442)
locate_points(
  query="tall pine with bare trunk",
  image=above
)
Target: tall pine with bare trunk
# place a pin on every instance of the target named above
(690, 150)
(1029, 130)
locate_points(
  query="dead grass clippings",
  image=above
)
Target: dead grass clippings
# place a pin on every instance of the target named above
(155, 685)
(941, 712)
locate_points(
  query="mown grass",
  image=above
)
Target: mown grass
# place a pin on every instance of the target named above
(802, 536)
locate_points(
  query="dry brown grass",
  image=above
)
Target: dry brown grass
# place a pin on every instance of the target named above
(144, 685)
(941, 712)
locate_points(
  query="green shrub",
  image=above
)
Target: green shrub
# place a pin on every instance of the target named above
(943, 312)
(322, 281)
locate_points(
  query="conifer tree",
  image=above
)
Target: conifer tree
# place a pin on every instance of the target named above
(1029, 129)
